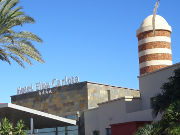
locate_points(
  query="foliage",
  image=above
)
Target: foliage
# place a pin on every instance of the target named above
(6, 128)
(146, 130)
(20, 128)
(168, 125)
(16, 45)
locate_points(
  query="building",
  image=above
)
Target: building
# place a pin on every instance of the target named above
(101, 109)
(72, 100)
(123, 116)
(128, 112)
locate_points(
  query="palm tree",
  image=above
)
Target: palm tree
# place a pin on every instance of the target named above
(16, 45)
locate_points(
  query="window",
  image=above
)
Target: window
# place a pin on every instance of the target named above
(96, 132)
(108, 131)
(109, 95)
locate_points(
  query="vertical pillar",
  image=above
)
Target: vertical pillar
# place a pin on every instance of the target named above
(32, 126)
(66, 130)
(56, 131)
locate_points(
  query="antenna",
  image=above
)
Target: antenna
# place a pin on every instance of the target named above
(154, 17)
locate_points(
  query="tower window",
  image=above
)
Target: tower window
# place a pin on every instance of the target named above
(109, 95)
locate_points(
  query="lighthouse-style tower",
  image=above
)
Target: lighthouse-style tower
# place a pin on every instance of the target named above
(154, 50)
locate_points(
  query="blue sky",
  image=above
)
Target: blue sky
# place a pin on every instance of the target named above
(93, 39)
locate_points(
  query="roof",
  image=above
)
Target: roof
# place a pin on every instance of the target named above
(41, 120)
(160, 24)
(126, 98)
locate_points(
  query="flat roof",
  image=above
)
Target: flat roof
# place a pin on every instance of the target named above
(118, 99)
(110, 85)
(41, 119)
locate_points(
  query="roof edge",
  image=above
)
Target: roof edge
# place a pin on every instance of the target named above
(111, 85)
(36, 112)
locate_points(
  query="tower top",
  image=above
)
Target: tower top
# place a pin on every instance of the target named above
(160, 24)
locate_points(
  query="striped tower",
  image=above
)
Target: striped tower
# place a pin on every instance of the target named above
(154, 50)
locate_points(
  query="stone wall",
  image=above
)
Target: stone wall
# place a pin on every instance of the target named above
(98, 93)
(65, 100)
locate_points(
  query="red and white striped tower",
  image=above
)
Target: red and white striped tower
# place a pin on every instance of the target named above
(154, 50)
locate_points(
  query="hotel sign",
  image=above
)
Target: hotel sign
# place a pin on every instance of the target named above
(43, 88)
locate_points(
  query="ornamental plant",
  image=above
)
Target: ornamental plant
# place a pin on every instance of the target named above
(6, 128)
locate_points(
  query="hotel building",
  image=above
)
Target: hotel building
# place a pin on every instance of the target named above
(87, 108)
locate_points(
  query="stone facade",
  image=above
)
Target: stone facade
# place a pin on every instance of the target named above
(65, 100)
(98, 93)
(70, 99)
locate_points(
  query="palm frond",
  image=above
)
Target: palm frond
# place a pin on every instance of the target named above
(30, 51)
(17, 51)
(13, 44)
(3, 6)
(9, 6)
(3, 56)
(16, 59)
(11, 15)
(28, 36)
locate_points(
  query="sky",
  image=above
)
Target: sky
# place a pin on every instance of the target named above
(92, 39)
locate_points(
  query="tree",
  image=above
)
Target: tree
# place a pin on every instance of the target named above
(170, 94)
(16, 45)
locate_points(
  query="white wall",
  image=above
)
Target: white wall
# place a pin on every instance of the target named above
(91, 121)
(150, 84)
(133, 106)
(110, 113)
